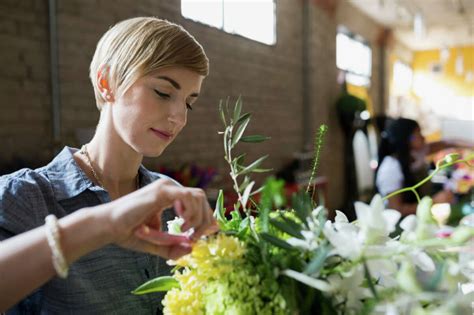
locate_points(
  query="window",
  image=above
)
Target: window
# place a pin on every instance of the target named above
(252, 19)
(402, 78)
(354, 56)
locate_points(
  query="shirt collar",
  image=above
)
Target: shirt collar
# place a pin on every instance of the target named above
(69, 180)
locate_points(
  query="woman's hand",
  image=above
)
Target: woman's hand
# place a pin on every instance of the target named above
(135, 220)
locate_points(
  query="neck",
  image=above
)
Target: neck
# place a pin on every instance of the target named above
(115, 161)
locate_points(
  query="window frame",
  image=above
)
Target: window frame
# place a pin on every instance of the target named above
(349, 72)
(223, 25)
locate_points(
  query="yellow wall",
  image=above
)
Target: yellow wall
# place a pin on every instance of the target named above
(439, 90)
(423, 60)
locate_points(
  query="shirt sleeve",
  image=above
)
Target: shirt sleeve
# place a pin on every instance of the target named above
(389, 176)
(20, 200)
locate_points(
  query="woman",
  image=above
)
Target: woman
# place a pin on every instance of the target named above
(26, 259)
(402, 163)
(146, 74)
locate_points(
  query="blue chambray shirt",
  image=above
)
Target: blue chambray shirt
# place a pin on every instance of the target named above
(98, 283)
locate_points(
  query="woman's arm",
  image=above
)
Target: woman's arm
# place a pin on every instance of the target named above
(26, 259)
(132, 222)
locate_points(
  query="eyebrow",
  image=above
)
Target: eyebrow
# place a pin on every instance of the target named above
(175, 84)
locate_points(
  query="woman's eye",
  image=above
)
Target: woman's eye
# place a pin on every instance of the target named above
(162, 95)
(189, 106)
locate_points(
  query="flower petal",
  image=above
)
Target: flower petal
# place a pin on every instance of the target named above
(391, 218)
(409, 223)
(310, 281)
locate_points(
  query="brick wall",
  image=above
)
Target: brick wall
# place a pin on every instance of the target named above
(268, 77)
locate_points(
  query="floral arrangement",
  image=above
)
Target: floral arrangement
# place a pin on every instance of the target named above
(267, 260)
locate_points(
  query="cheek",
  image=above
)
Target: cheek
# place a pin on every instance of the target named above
(128, 121)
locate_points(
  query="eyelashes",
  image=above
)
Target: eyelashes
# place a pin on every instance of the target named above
(167, 97)
(162, 95)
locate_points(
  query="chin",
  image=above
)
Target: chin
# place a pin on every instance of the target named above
(152, 153)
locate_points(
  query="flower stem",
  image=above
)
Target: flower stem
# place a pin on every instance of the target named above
(438, 168)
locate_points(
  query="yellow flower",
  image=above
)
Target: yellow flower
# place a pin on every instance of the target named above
(208, 260)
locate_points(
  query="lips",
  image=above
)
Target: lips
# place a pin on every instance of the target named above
(162, 134)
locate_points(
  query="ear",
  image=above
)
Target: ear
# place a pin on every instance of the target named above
(103, 84)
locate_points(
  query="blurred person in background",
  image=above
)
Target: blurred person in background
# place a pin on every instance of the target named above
(403, 163)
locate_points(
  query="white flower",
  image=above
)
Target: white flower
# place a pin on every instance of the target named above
(375, 222)
(409, 226)
(384, 270)
(348, 287)
(308, 280)
(309, 243)
(422, 260)
(174, 227)
(312, 220)
(344, 238)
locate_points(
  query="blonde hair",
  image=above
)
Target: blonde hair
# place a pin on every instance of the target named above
(139, 46)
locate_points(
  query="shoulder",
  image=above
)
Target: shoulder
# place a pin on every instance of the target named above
(22, 184)
(390, 165)
(21, 201)
(389, 175)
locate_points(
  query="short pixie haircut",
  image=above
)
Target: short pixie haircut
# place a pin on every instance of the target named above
(139, 46)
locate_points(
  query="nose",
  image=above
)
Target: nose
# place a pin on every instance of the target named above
(178, 114)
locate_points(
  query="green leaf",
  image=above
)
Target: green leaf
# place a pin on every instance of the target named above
(276, 241)
(221, 111)
(292, 223)
(240, 131)
(237, 109)
(243, 117)
(257, 191)
(235, 214)
(233, 224)
(254, 138)
(246, 193)
(219, 212)
(243, 227)
(244, 183)
(318, 260)
(262, 170)
(252, 166)
(226, 136)
(238, 160)
(301, 203)
(264, 214)
(286, 228)
(160, 284)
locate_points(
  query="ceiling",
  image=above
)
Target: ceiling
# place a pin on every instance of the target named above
(446, 22)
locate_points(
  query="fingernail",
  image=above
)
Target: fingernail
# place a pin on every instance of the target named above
(145, 229)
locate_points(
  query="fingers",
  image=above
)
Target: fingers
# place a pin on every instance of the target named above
(161, 238)
(194, 208)
(206, 223)
(167, 252)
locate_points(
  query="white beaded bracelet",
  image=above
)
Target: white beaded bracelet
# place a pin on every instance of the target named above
(52, 234)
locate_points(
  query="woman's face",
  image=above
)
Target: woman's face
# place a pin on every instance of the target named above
(417, 141)
(152, 112)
